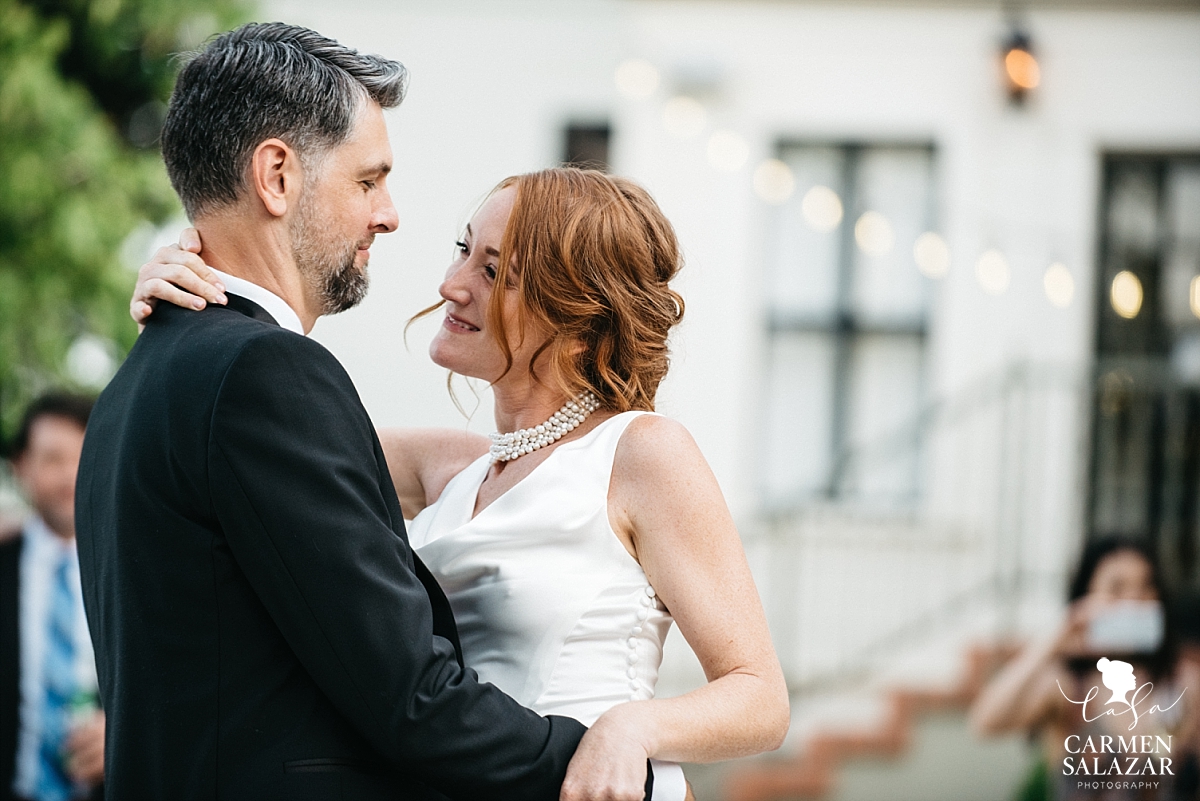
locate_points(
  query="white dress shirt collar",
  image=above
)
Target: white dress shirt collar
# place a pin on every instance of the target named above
(274, 305)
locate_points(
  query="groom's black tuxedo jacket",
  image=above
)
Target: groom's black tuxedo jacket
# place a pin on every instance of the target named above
(262, 627)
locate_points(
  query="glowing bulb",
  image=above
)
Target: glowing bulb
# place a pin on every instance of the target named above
(684, 117)
(873, 233)
(992, 272)
(774, 182)
(636, 77)
(1022, 68)
(1194, 296)
(727, 151)
(822, 208)
(1126, 294)
(932, 255)
(1059, 285)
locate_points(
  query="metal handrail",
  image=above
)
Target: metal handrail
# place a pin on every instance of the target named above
(1001, 408)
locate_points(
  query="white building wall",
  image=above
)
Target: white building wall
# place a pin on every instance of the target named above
(494, 81)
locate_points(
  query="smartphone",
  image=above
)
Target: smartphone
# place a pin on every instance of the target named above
(1127, 627)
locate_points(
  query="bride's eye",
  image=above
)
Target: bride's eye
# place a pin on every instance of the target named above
(490, 271)
(462, 248)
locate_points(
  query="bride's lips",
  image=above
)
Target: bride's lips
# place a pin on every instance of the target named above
(457, 324)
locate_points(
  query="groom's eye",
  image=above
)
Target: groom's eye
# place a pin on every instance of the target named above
(368, 184)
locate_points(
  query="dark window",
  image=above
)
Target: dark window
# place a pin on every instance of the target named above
(587, 146)
(1145, 460)
(845, 314)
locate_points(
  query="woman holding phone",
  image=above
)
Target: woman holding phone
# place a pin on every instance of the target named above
(1115, 620)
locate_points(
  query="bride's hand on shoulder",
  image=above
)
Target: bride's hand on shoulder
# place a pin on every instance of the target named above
(610, 762)
(177, 275)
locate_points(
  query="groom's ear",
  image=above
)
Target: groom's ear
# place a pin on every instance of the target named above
(276, 175)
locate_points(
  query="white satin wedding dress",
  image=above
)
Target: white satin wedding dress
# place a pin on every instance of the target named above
(550, 606)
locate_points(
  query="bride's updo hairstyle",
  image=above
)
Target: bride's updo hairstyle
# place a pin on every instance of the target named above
(590, 256)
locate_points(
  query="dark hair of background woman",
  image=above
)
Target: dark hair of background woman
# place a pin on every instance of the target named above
(1160, 662)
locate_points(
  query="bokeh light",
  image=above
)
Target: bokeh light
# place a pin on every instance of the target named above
(822, 208)
(1126, 294)
(874, 233)
(1022, 68)
(727, 151)
(684, 117)
(774, 182)
(932, 255)
(992, 272)
(637, 78)
(91, 361)
(1194, 296)
(1059, 285)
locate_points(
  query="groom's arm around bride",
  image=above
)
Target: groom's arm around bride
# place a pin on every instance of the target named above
(262, 628)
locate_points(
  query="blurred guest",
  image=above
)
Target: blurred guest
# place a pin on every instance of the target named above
(51, 729)
(1116, 635)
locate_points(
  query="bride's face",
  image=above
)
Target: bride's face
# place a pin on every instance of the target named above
(463, 343)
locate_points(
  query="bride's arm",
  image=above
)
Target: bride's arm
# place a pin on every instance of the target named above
(423, 460)
(665, 502)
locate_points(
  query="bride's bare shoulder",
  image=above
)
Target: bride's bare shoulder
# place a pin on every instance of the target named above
(653, 444)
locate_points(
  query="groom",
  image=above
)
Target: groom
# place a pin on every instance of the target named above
(262, 628)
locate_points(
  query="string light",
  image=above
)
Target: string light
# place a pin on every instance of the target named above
(1022, 72)
(1059, 285)
(1126, 294)
(774, 181)
(992, 272)
(932, 255)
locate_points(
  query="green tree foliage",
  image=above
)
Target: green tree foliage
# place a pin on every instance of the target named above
(83, 85)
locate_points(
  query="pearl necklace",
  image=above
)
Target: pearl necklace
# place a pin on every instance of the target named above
(506, 447)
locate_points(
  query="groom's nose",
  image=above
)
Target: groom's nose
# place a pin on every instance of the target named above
(384, 218)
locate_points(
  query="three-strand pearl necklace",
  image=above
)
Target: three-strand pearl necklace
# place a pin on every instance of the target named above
(506, 447)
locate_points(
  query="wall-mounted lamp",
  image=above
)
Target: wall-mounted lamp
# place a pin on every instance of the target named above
(1021, 70)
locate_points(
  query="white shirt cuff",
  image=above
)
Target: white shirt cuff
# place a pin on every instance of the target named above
(669, 784)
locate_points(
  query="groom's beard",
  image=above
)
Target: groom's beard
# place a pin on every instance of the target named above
(327, 265)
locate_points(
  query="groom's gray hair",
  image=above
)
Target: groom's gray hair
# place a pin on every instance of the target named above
(258, 82)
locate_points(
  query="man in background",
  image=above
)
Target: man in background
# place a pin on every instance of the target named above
(51, 729)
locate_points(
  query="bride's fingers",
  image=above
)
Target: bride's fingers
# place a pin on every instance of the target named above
(175, 254)
(190, 240)
(178, 277)
(181, 277)
(139, 310)
(157, 288)
(186, 270)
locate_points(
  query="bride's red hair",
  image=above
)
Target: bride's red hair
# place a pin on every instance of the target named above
(590, 256)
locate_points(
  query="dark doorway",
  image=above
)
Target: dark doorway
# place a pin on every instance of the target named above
(1145, 460)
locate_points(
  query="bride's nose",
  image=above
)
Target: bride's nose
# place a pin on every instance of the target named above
(454, 288)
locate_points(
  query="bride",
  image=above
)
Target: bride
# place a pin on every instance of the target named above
(568, 545)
